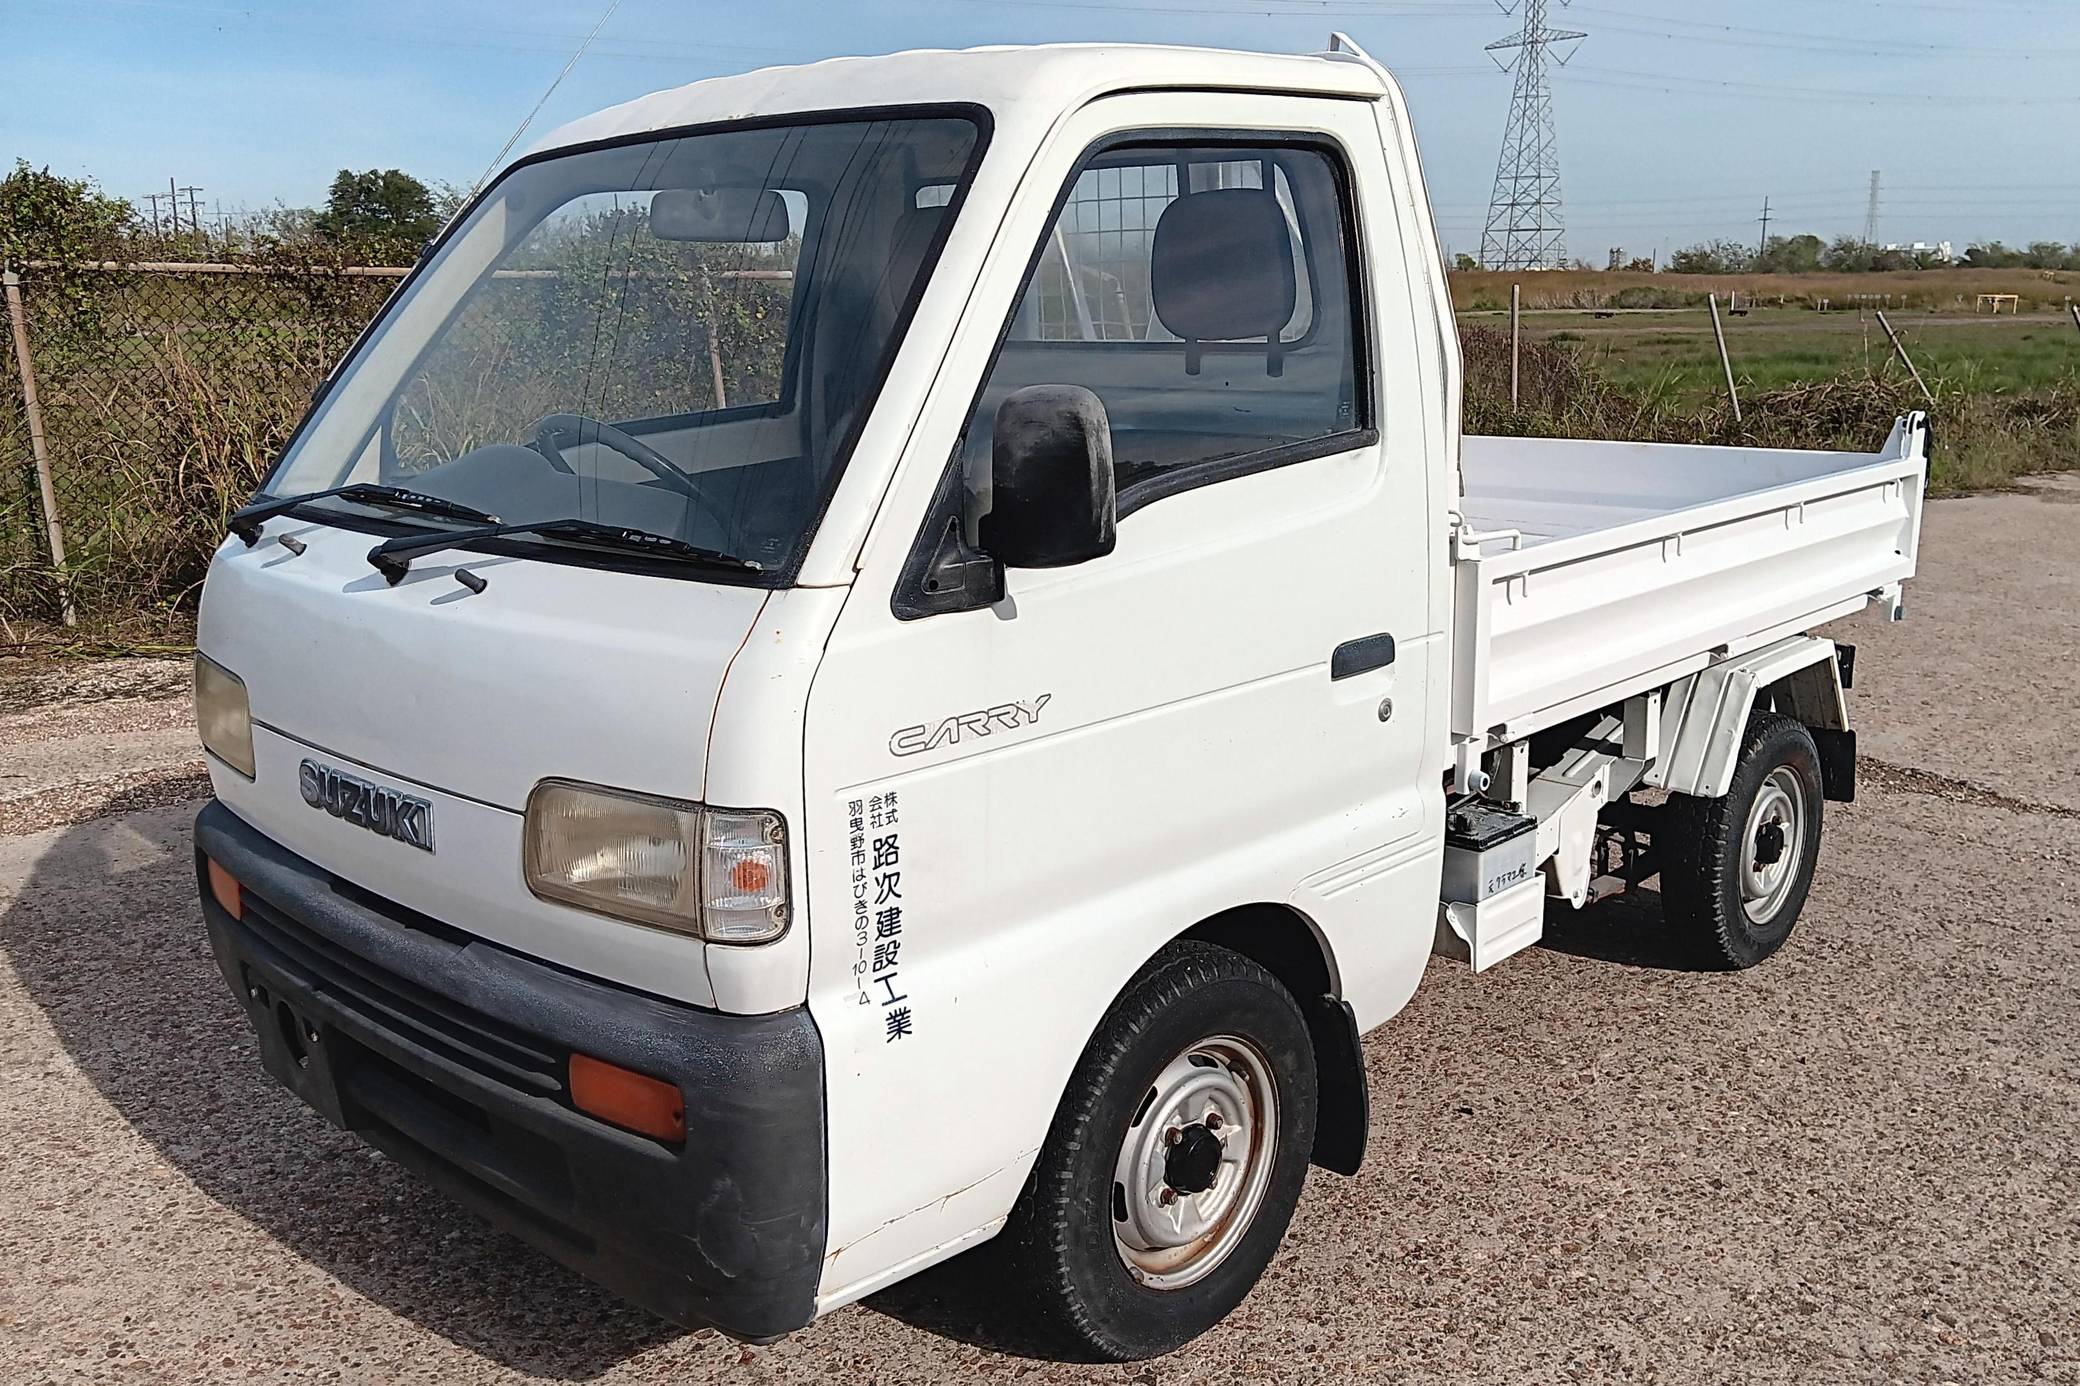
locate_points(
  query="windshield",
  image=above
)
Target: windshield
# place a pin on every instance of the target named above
(678, 336)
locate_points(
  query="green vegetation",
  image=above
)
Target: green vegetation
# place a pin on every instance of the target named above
(1809, 254)
(1673, 352)
(1985, 437)
(383, 215)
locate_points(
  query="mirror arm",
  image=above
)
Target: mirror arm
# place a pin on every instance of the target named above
(957, 577)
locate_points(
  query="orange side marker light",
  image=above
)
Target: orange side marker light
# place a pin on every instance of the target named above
(633, 1101)
(224, 887)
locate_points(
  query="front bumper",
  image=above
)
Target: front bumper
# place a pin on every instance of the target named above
(450, 1054)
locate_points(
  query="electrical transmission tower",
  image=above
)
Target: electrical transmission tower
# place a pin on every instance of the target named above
(1525, 227)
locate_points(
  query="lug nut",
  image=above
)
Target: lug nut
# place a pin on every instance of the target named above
(1173, 1135)
(1213, 1121)
(1167, 1197)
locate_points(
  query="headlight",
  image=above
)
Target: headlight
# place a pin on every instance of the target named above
(223, 716)
(718, 874)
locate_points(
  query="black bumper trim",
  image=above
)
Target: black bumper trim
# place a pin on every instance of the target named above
(448, 1053)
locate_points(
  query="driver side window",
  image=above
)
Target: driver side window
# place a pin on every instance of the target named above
(1204, 293)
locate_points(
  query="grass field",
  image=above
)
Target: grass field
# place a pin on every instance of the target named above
(1942, 291)
(1670, 353)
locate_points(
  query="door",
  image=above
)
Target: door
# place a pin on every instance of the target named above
(1012, 806)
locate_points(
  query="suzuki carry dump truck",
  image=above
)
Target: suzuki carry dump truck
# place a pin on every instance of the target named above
(903, 653)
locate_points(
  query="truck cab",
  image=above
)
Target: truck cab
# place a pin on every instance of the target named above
(866, 656)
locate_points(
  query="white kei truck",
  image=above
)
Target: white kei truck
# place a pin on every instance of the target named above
(899, 655)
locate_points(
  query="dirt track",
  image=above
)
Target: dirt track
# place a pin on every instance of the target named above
(1855, 1163)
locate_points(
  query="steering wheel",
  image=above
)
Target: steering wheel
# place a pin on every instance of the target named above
(634, 449)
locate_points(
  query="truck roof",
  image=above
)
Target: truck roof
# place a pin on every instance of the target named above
(1018, 84)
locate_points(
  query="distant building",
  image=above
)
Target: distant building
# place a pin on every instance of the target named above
(1942, 250)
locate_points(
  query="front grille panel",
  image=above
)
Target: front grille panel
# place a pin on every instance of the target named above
(396, 1005)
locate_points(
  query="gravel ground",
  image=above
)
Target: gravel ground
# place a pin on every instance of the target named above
(1855, 1163)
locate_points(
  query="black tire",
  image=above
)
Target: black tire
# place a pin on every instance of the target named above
(1703, 842)
(1066, 1275)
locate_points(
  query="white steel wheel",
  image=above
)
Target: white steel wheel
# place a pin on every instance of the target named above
(1194, 1164)
(1773, 845)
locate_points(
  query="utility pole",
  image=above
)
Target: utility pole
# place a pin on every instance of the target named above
(173, 196)
(153, 198)
(1762, 249)
(194, 216)
(1870, 216)
(1526, 229)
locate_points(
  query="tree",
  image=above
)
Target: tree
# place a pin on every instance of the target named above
(1713, 257)
(1791, 255)
(1464, 262)
(382, 214)
(46, 217)
(1849, 255)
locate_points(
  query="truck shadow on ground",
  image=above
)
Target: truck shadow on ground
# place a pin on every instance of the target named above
(1627, 929)
(106, 939)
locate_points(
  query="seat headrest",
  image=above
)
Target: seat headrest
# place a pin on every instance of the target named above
(1221, 269)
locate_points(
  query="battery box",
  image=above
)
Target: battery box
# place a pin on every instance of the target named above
(1487, 850)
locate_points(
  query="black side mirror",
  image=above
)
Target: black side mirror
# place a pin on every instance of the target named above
(1051, 502)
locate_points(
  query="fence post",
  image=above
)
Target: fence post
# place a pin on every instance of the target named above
(33, 410)
(1725, 361)
(2074, 309)
(1516, 324)
(715, 369)
(1901, 348)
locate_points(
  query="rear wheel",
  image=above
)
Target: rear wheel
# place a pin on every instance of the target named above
(1174, 1162)
(1735, 871)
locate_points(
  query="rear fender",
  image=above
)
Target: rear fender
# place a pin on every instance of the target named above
(1705, 715)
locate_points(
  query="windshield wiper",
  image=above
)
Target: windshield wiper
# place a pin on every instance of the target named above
(393, 558)
(246, 521)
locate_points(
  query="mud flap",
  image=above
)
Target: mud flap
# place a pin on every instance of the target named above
(1343, 1114)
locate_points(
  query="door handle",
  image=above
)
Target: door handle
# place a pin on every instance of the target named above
(1361, 655)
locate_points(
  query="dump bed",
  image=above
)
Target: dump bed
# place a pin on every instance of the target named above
(1589, 571)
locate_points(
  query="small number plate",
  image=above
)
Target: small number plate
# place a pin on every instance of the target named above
(390, 812)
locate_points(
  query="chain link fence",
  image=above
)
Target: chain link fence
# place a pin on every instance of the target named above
(165, 392)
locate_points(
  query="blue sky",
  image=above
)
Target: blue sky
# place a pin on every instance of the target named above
(1676, 117)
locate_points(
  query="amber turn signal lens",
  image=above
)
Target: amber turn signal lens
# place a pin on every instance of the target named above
(633, 1101)
(224, 887)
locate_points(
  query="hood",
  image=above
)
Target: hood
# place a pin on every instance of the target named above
(552, 671)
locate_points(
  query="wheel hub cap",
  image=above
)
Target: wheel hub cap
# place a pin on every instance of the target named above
(1194, 1161)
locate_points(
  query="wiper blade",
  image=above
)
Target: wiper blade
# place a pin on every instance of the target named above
(246, 521)
(393, 558)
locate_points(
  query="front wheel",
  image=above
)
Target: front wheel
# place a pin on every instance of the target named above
(1174, 1163)
(1735, 871)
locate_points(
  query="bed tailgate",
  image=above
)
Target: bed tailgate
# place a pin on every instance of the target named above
(1550, 628)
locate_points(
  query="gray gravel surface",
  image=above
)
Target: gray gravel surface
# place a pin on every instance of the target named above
(1856, 1163)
